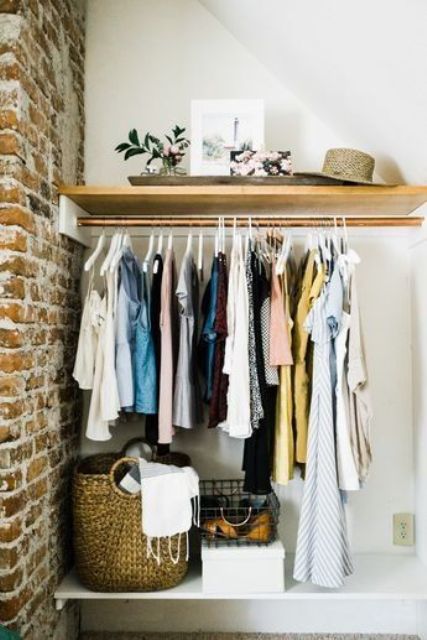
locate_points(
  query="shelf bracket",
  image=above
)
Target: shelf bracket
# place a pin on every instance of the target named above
(60, 603)
(69, 213)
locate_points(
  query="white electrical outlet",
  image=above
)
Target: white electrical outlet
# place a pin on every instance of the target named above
(403, 529)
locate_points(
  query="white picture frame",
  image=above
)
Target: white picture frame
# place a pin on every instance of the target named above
(221, 126)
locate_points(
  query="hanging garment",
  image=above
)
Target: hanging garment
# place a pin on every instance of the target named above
(322, 553)
(280, 349)
(144, 357)
(360, 402)
(167, 363)
(257, 411)
(283, 459)
(238, 423)
(208, 335)
(257, 449)
(218, 403)
(152, 420)
(348, 477)
(186, 402)
(104, 403)
(301, 380)
(84, 366)
(271, 372)
(128, 310)
(233, 286)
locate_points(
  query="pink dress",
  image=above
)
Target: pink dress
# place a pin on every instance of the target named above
(280, 348)
(166, 430)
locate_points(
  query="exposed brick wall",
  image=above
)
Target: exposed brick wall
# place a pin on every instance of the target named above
(41, 145)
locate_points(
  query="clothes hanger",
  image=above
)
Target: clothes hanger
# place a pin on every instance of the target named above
(125, 243)
(189, 242)
(200, 256)
(93, 257)
(160, 242)
(170, 241)
(110, 253)
(146, 263)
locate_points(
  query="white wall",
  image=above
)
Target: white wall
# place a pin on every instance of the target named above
(419, 352)
(147, 59)
(360, 66)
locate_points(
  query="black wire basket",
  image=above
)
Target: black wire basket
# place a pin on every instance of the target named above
(229, 515)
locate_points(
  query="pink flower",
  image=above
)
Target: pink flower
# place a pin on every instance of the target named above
(174, 149)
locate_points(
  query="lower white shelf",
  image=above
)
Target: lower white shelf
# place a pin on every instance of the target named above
(376, 576)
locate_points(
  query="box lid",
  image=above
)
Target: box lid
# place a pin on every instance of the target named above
(235, 552)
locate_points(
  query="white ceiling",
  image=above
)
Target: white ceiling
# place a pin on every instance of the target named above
(360, 66)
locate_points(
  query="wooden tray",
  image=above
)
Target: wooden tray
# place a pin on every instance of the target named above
(186, 181)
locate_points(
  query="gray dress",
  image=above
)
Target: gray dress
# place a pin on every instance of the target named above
(186, 401)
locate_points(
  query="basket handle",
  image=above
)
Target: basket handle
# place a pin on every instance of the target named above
(137, 441)
(233, 524)
(111, 476)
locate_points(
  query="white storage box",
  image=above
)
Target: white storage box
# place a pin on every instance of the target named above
(243, 569)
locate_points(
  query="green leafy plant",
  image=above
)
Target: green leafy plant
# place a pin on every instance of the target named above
(169, 153)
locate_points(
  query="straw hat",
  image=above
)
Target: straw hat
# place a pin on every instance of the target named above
(346, 165)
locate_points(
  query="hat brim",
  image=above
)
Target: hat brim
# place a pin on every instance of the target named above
(337, 178)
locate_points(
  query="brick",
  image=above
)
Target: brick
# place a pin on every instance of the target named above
(11, 338)
(13, 239)
(38, 489)
(8, 558)
(10, 531)
(12, 193)
(11, 431)
(11, 385)
(11, 410)
(9, 119)
(36, 468)
(18, 217)
(11, 480)
(11, 581)
(19, 265)
(10, 6)
(11, 606)
(10, 362)
(10, 144)
(18, 312)
(12, 505)
(12, 287)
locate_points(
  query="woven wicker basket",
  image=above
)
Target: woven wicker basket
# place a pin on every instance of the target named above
(110, 548)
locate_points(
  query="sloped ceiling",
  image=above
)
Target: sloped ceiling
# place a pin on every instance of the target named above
(360, 66)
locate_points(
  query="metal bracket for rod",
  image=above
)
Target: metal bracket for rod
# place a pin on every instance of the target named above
(60, 603)
(69, 213)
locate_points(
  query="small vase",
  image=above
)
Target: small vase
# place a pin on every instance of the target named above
(169, 170)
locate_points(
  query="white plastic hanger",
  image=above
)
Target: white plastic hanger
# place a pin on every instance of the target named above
(146, 263)
(189, 243)
(200, 256)
(111, 251)
(160, 243)
(93, 257)
(126, 243)
(170, 241)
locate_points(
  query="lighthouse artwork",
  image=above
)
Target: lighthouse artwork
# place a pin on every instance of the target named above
(221, 126)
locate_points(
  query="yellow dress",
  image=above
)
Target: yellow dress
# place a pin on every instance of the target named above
(283, 460)
(310, 290)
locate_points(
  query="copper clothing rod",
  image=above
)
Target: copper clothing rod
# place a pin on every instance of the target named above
(261, 221)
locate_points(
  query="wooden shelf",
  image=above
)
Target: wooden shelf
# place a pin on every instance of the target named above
(244, 199)
(376, 576)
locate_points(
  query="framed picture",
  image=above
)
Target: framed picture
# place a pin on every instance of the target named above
(221, 126)
(261, 163)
